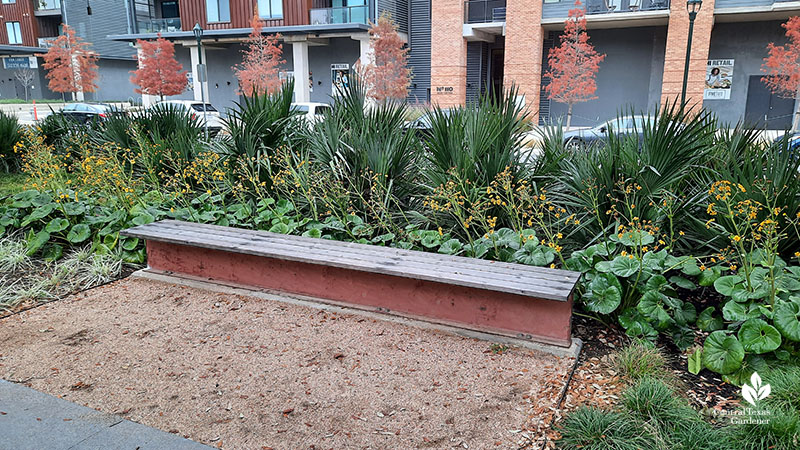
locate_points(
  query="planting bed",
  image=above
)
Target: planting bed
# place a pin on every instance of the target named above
(242, 372)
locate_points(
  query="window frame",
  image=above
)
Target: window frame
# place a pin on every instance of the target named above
(14, 28)
(220, 18)
(271, 4)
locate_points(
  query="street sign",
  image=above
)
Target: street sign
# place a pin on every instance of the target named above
(201, 73)
(20, 62)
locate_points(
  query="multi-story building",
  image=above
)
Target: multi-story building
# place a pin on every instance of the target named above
(460, 49)
(28, 27)
(479, 44)
(321, 39)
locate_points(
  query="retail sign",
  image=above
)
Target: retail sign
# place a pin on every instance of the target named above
(340, 78)
(719, 79)
(20, 62)
(446, 90)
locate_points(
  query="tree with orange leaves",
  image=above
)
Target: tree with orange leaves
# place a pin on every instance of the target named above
(782, 66)
(159, 73)
(71, 66)
(259, 71)
(387, 75)
(573, 65)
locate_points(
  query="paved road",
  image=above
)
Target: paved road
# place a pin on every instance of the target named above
(31, 420)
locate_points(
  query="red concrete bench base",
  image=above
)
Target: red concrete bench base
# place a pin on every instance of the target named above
(477, 309)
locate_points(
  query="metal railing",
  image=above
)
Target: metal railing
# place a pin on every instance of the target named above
(46, 5)
(159, 25)
(484, 11)
(46, 42)
(343, 14)
(623, 6)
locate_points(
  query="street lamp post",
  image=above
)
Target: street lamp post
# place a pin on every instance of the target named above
(201, 74)
(692, 7)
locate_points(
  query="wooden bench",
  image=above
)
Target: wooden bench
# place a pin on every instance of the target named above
(501, 298)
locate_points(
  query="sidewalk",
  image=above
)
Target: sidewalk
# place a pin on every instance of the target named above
(31, 420)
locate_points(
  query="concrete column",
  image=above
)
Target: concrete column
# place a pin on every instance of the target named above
(147, 100)
(300, 61)
(366, 55)
(77, 73)
(448, 54)
(196, 84)
(675, 57)
(523, 52)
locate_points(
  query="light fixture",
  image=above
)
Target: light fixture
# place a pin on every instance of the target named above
(693, 6)
(198, 32)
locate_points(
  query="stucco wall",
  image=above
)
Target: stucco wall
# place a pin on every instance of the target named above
(10, 87)
(629, 77)
(746, 43)
(113, 81)
(223, 85)
(340, 51)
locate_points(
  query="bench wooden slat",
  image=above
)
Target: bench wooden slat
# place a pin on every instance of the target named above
(244, 246)
(381, 251)
(502, 277)
(501, 271)
(528, 277)
(321, 256)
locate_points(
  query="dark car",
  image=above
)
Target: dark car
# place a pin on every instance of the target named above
(625, 125)
(87, 112)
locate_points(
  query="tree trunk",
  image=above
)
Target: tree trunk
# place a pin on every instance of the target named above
(569, 115)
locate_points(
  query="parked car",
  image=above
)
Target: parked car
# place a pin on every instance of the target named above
(194, 109)
(578, 139)
(311, 111)
(423, 124)
(792, 140)
(84, 113)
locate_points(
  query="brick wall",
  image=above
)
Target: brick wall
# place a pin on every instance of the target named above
(448, 53)
(523, 53)
(675, 58)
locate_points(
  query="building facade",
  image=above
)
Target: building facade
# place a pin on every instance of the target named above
(478, 45)
(460, 49)
(321, 39)
(28, 28)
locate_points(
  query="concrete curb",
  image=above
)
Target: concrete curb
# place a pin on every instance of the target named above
(326, 305)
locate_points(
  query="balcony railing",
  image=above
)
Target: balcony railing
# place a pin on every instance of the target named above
(46, 42)
(484, 11)
(622, 6)
(47, 6)
(159, 25)
(344, 14)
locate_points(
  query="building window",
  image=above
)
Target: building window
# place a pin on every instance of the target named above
(9, 1)
(270, 9)
(218, 10)
(14, 33)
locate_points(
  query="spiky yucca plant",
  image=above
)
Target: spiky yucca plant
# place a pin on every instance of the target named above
(478, 141)
(9, 136)
(261, 123)
(358, 139)
(674, 143)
